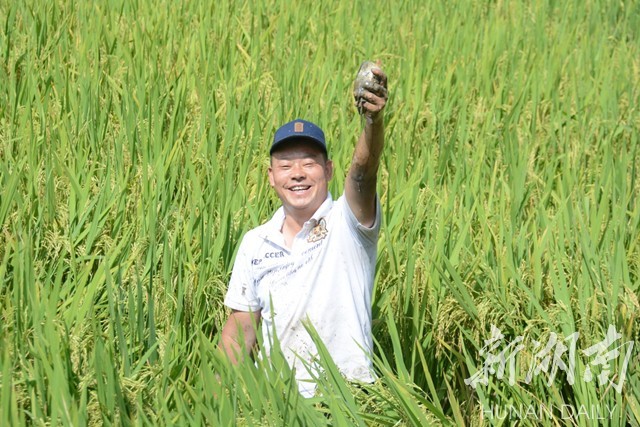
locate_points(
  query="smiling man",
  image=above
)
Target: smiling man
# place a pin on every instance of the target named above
(314, 261)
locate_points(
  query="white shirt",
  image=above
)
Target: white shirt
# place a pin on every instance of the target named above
(326, 278)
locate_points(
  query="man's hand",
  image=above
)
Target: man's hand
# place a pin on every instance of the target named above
(372, 94)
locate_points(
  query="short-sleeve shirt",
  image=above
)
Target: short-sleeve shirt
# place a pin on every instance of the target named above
(325, 278)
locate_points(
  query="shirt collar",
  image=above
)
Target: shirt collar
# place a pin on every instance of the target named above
(323, 210)
(274, 225)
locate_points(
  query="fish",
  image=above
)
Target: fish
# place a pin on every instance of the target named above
(364, 78)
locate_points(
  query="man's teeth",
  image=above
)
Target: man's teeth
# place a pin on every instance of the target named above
(299, 188)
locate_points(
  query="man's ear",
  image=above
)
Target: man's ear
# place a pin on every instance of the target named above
(329, 169)
(270, 173)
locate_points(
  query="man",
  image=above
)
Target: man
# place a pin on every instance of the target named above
(314, 261)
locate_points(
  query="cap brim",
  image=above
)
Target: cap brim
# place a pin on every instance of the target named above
(297, 138)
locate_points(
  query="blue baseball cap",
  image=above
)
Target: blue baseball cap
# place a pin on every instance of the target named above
(299, 129)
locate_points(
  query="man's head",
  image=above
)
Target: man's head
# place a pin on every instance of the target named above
(300, 170)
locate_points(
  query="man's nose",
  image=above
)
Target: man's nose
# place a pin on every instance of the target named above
(297, 172)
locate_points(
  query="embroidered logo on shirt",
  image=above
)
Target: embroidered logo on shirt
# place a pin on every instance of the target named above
(319, 232)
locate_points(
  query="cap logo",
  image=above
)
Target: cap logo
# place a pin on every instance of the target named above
(298, 127)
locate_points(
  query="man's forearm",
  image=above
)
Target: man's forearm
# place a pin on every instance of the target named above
(238, 337)
(360, 187)
(366, 156)
(234, 350)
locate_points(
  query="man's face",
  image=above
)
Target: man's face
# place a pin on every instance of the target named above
(300, 174)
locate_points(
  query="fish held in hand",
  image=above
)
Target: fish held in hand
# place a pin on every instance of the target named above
(364, 79)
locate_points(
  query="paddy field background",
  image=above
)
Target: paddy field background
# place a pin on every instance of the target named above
(133, 154)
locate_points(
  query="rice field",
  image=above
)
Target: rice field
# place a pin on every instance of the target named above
(134, 141)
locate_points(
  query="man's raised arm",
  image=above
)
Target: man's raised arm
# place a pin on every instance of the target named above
(360, 186)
